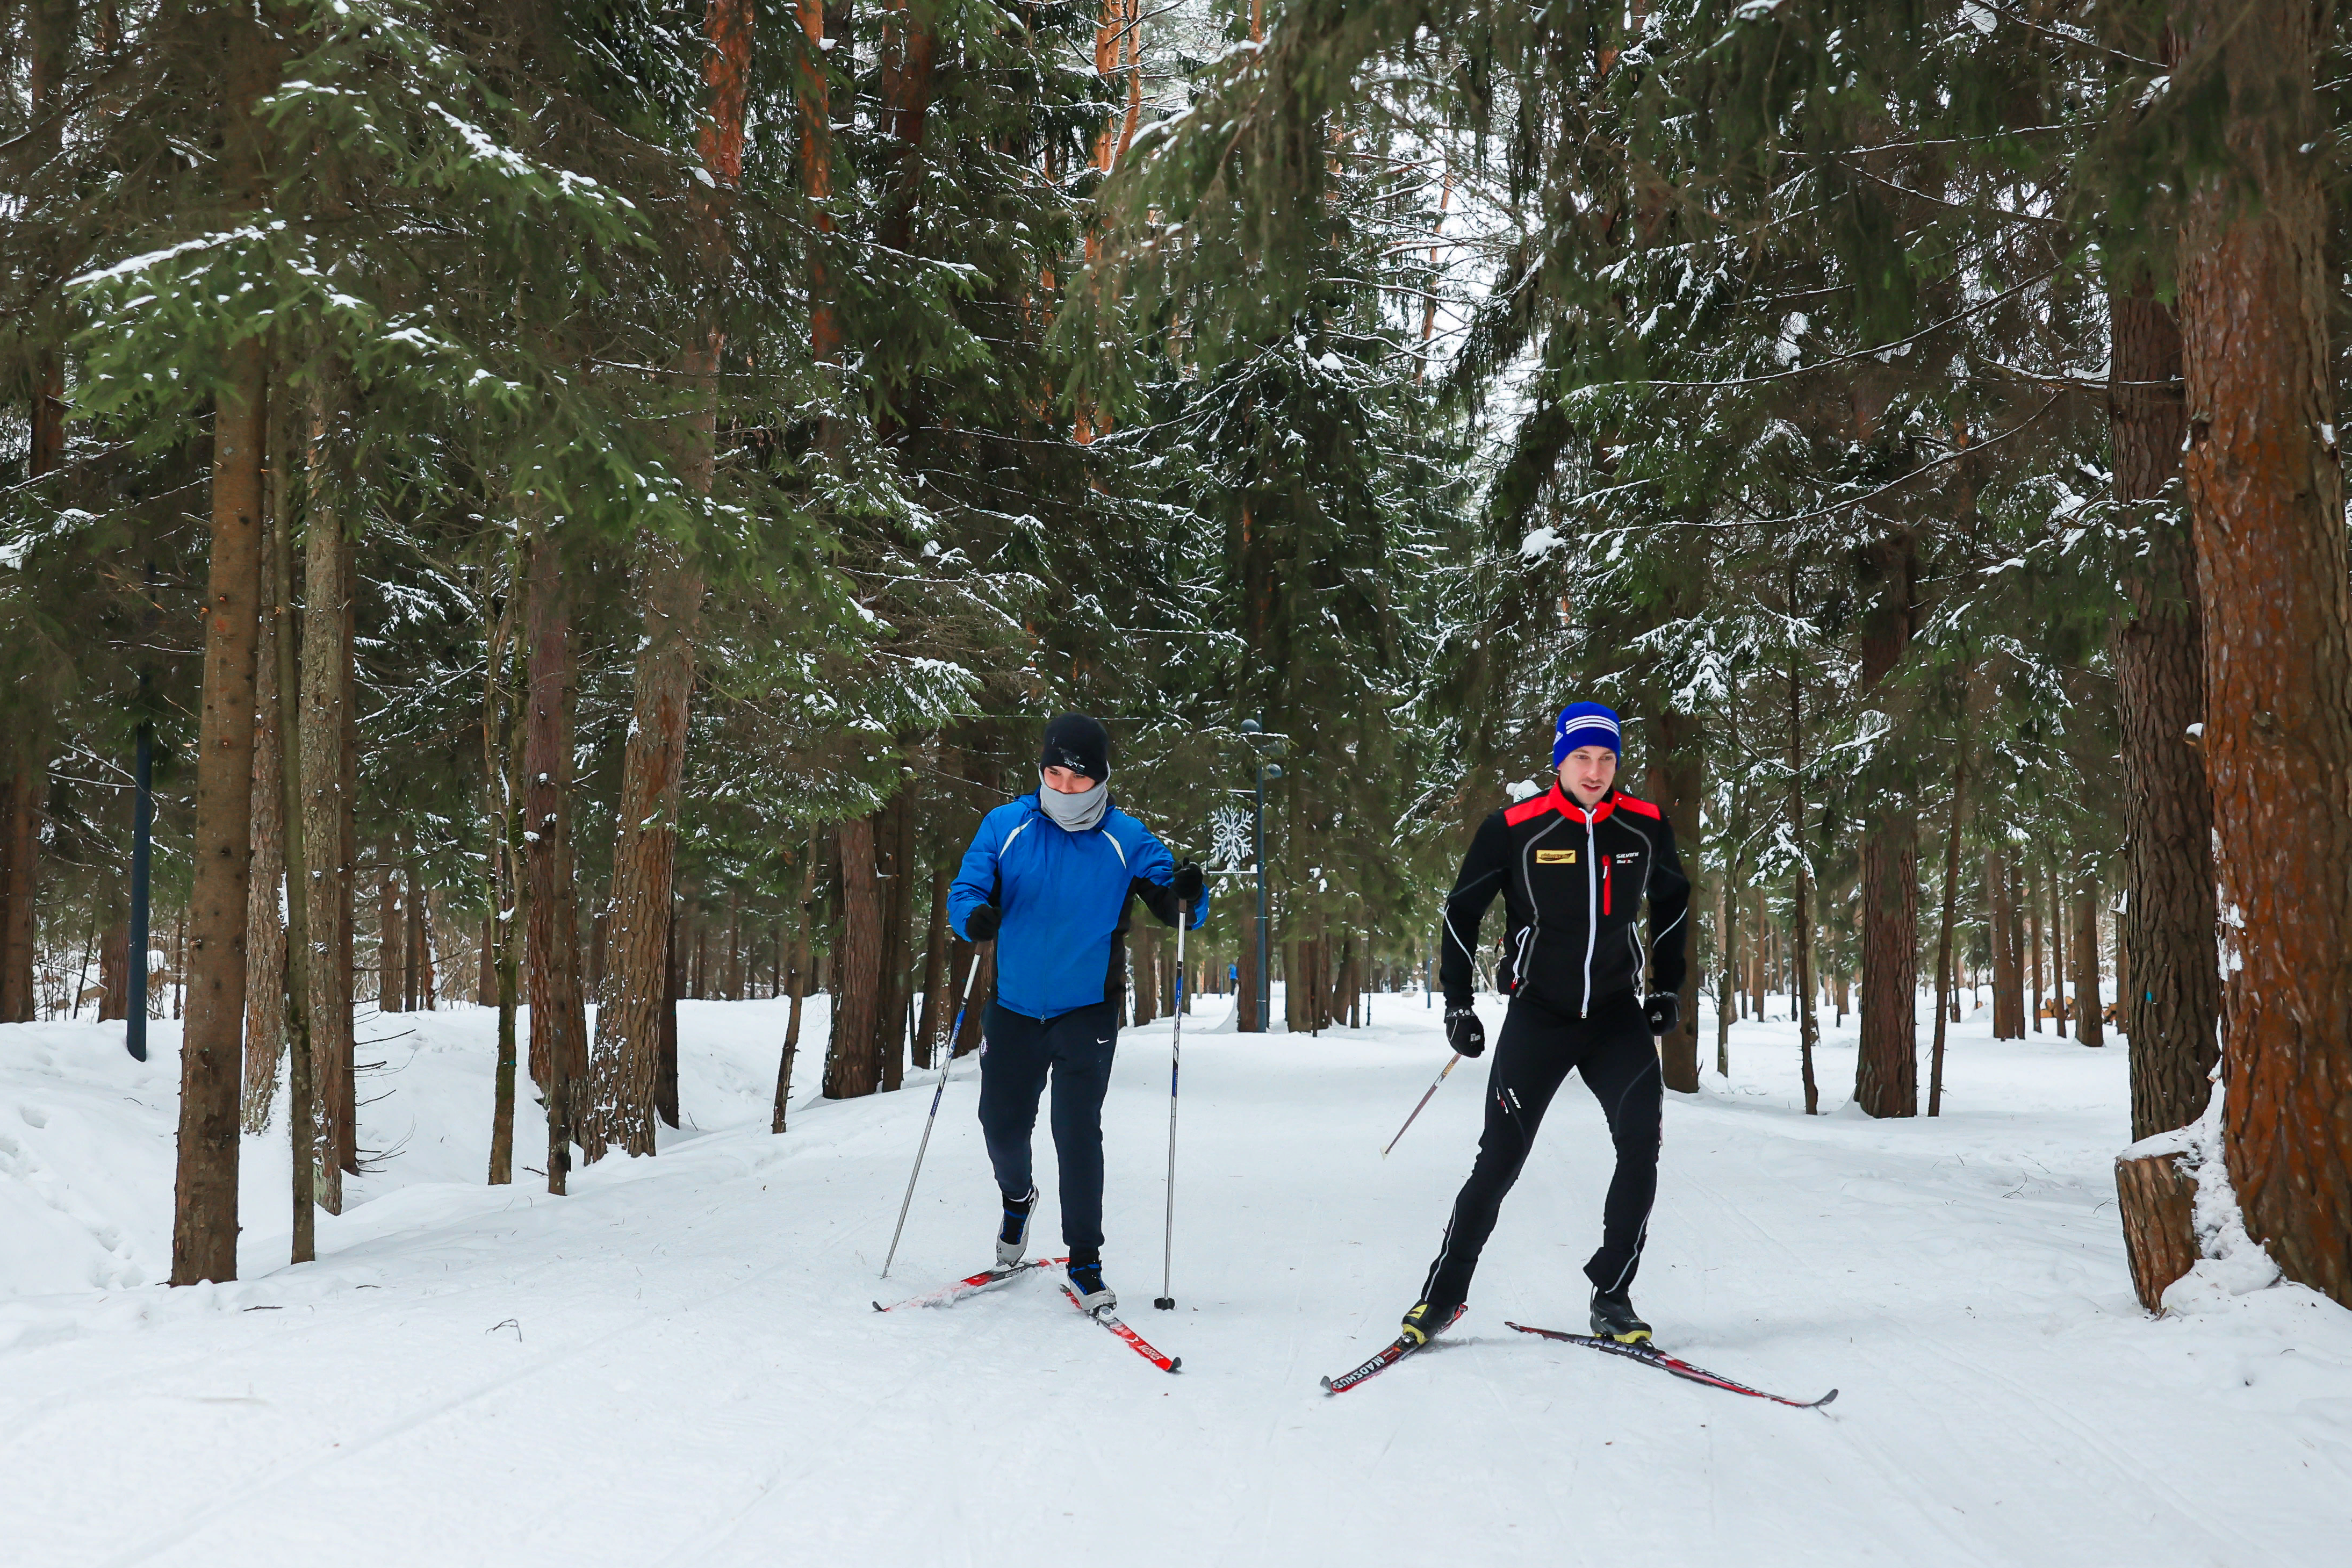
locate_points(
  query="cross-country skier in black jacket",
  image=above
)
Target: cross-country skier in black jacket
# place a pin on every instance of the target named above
(1573, 864)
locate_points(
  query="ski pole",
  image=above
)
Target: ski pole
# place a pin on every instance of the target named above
(946, 1060)
(1166, 1301)
(1452, 1062)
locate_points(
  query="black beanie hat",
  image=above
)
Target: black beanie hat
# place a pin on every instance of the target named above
(1076, 742)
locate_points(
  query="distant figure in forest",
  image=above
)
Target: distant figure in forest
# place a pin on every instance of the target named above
(1573, 864)
(1050, 876)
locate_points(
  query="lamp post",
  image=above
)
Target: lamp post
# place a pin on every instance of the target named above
(1267, 747)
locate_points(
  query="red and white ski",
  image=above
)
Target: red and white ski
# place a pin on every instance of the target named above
(948, 1295)
(1136, 1342)
(1650, 1355)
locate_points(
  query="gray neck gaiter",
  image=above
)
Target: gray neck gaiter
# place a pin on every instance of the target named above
(1073, 813)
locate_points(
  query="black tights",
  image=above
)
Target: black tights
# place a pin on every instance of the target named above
(1536, 1051)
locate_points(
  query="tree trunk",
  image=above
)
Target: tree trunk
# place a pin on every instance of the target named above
(669, 589)
(1726, 988)
(114, 974)
(19, 869)
(629, 1026)
(936, 1002)
(2168, 924)
(2057, 955)
(666, 1105)
(265, 927)
(2157, 1200)
(1676, 778)
(1886, 1068)
(851, 1058)
(392, 938)
(294, 989)
(2030, 878)
(2090, 1027)
(1142, 950)
(797, 973)
(204, 1211)
(1944, 976)
(559, 1016)
(1801, 905)
(898, 918)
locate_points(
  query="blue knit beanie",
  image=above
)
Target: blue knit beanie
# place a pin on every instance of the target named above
(1585, 724)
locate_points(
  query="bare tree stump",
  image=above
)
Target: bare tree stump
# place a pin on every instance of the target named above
(2159, 1226)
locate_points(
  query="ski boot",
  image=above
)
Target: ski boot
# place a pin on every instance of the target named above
(1012, 1236)
(1425, 1323)
(1613, 1318)
(1085, 1278)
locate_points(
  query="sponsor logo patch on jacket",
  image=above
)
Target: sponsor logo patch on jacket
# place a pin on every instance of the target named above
(1555, 856)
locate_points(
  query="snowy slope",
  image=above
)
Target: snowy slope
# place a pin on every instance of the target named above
(678, 1365)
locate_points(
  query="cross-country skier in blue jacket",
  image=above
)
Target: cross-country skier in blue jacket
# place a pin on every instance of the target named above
(1049, 876)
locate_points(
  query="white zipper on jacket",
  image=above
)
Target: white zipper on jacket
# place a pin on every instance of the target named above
(1591, 912)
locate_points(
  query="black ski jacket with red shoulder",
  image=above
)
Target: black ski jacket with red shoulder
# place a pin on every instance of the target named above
(1573, 882)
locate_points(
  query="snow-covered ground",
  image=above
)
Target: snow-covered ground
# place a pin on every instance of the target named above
(678, 1363)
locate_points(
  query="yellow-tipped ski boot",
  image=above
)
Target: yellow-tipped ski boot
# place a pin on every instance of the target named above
(1613, 1318)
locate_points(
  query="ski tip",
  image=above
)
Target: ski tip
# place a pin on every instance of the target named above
(1176, 1363)
(880, 1308)
(1824, 1399)
(1327, 1388)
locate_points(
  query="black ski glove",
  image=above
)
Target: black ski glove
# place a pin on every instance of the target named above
(1188, 884)
(1665, 1010)
(1464, 1030)
(981, 924)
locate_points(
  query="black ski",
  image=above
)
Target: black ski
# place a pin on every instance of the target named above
(1397, 1351)
(1651, 1356)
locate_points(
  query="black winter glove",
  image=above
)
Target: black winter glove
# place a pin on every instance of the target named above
(1665, 1010)
(981, 924)
(1464, 1030)
(1188, 884)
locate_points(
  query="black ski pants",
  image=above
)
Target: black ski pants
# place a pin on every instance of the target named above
(1534, 1053)
(1017, 1054)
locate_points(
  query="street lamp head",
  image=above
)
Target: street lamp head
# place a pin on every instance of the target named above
(1250, 726)
(1273, 770)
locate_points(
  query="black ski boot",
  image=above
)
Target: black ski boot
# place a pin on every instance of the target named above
(1425, 1323)
(1085, 1278)
(1012, 1236)
(1613, 1318)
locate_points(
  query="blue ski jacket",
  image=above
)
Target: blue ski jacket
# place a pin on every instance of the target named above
(1062, 898)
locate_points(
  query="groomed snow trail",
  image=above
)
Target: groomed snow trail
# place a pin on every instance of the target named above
(679, 1364)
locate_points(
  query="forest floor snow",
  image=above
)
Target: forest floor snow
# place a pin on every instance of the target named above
(678, 1365)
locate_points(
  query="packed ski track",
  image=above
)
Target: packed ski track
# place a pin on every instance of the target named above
(681, 1363)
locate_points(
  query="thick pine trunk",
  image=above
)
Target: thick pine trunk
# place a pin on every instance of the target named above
(205, 1222)
(19, 873)
(265, 925)
(850, 1056)
(2168, 930)
(2266, 498)
(559, 1017)
(1886, 1069)
(329, 830)
(645, 851)
(1800, 989)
